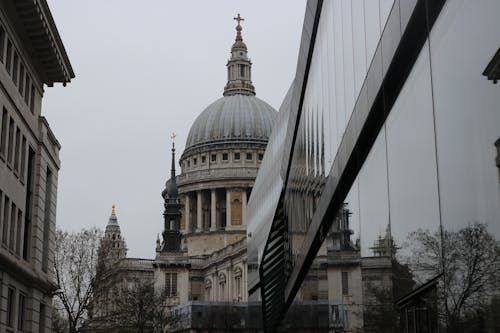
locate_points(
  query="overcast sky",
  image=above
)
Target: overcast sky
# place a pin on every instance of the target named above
(144, 70)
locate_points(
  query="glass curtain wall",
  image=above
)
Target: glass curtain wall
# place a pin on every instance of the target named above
(416, 246)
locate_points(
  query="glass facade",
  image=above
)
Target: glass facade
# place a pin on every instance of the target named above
(392, 198)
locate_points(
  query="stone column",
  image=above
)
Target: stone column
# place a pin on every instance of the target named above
(213, 210)
(244, 207)
(228, 209)
(187, 224)
(199, 213)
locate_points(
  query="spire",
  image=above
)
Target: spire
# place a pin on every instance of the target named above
(172, 171)
(239, 67)
(112, 219)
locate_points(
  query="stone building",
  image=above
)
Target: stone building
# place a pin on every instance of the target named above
(31, 55)
(201, 256)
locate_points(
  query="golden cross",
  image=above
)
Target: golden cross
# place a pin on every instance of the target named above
(172, 136)
(239, 18)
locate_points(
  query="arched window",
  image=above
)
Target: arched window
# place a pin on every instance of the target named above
(208, 290)
(238, 288)
(222, 287)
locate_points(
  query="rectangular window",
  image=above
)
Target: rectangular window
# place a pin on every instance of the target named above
(46, 222)
(19, 231)
(2, 43)
(12, 233)
(1, 225)
(21, 305)
(8, 58)
(3, 134)
(345, 283)
(10, 307)
(27, 89)
(195, 160)
(28, 204)
(261, 156)
(15, 68)
(237, 156)
(242, 70)
(16, 150)
(203, 159)
(32, 99)
(23, 158)
(10, 146)
(214, 157)
(6, 209)
(21, 79)
(249, 156)
(170, 284)
(225, 156)
(41, 325)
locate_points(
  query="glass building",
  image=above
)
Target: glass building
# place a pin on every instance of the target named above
(379, 192)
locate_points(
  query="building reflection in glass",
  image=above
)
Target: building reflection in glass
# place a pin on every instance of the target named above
(416, 245)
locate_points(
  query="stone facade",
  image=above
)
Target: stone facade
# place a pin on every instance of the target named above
(31, 56)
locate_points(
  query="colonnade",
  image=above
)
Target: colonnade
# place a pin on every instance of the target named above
(214, 209)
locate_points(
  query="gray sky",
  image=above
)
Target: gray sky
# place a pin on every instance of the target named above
(143, 70)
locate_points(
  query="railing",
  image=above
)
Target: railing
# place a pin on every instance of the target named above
(216, 174)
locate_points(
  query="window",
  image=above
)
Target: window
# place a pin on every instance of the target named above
(203, 159)
(3, 134)
(13, 216)
(15, 68)
(170, 284)
(225, 156)
(345, 283)
(19, 231)
(10, 148)
(2, 43)
(6, 207)
(189, 164)
(20, 313)
(222, 287)
(261, 156)
(214, 157)
(46, 219)
(41, 325)
(27, 89)
(249, 156)
(8, 58)
(242, 70)
(28, 203)
(208, 290)
(16, 150)
(237, 156)
(23, 158)
(195, 160)
(10, 307)
(21, 79)
(32, 98)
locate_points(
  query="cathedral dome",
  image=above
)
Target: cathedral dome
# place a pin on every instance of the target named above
(235, 118)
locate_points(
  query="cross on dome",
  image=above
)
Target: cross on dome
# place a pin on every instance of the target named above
(239, 18)
(238, 27)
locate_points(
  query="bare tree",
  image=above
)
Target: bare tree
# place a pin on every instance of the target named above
(140, 309)
(75, 259)
(469, 260)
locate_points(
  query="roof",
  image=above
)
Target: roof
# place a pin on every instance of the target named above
(237, 118)
(41, 30)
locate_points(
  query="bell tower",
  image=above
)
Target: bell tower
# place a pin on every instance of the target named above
(172, 215)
